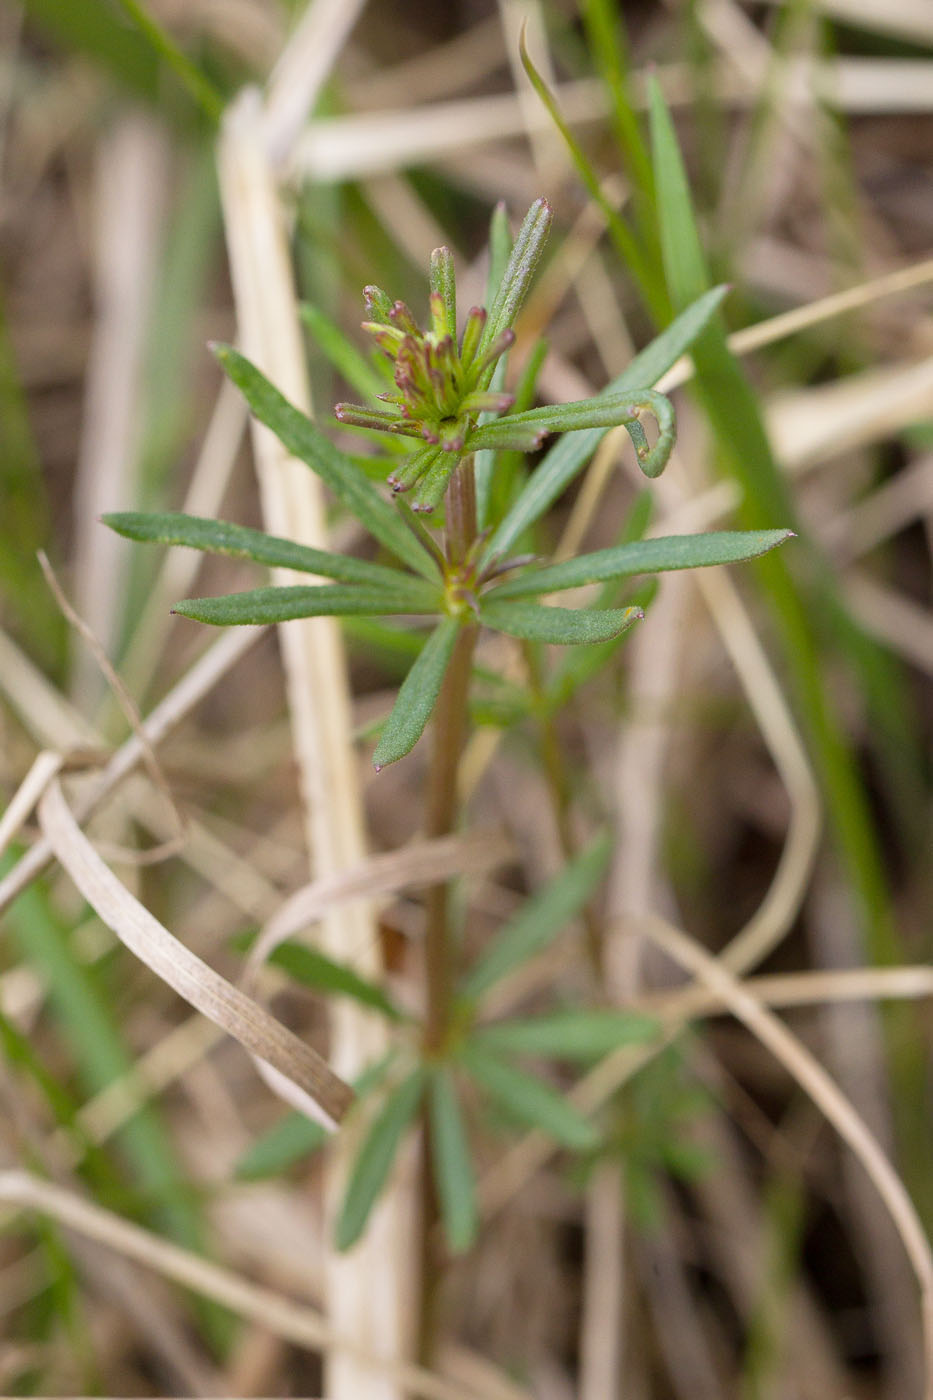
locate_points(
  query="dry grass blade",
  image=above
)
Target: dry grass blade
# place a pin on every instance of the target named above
(296, 1322)
(427, 863)
(123, 697)
(43, 770)
(205, 989)
(192, 688)
(832, 1103)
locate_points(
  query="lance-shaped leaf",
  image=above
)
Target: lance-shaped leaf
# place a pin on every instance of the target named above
(568, 1035)
(296, 1136)
(376, 1156)
(291, 1140)
(314, 969)
(520, 269)
(540, 919)
(450, 1160)
(566, 458)
(302, 439)
(239, 541)
(444, 286)
(527, 1099)
(263, 605)
(644, 557)
(417, 695)
(562, 626)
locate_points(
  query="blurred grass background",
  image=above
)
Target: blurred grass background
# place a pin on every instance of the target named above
(758, 1260)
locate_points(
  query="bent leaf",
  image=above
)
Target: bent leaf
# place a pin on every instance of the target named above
(526, 430)
(265, 605)
(561, 626)
(417, 696)
(376, 1156)
(567, 457)
(645, 557)
(240, 542)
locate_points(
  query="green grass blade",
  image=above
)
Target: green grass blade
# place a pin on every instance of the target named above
(744, 449)
(241, 542)
(645, 557)
(568, 1035)
(560, 626)
(417, 696)
(451, 1163)
(375, 1158)
(303, 440)
(208, 98)
(527, 1099)
(568, 456)
(92, 28)
(260, 606)
(346, 359)
(540, 919)
(83, 1013)
(626, 241)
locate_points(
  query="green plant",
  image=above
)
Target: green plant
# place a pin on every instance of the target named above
(437, 563)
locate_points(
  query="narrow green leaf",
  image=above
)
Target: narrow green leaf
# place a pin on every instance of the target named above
(239, 541)
(302, 439)
(568, 1035)
(569, 454)
(644, 557)
(417, 695)
(520, 269)
(444, 285)
(264, 605)
(292, 1139)
(450, 1159)
(527, 1099)
(314, 969)
(562, 626)
(295, 1136)
(540, 918)
(375, 1158)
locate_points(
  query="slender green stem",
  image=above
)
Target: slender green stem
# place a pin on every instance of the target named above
(450, 732)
